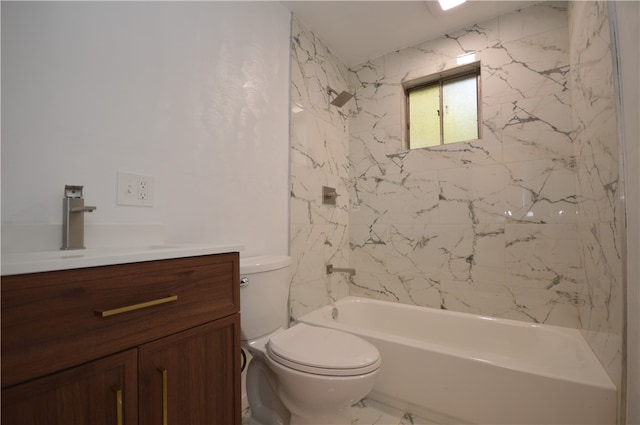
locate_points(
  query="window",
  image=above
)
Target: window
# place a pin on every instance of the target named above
(443, 108)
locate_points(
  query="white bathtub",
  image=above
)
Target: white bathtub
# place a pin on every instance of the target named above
(454, 367)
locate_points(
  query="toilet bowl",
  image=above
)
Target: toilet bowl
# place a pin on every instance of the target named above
(303, 374)
(316, 373)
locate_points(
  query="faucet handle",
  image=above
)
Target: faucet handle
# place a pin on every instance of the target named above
(73, 191)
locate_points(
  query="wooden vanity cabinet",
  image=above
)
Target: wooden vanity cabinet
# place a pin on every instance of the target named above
(151, 343)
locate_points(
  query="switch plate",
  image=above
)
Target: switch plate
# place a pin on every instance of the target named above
(135, 190)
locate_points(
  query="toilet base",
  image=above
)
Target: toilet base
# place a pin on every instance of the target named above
(279, 396)
(262, 392)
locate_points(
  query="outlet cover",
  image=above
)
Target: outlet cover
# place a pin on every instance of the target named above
(135, 190)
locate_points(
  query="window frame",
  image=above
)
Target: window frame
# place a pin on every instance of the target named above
(439, 79)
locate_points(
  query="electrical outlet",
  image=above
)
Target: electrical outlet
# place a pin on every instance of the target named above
(143, 190)
(135, 190)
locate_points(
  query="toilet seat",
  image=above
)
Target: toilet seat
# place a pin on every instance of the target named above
(323, 351)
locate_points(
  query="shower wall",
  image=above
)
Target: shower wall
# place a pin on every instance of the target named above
(487, 226)
(523, 223)
(319, 151)
(598, 165)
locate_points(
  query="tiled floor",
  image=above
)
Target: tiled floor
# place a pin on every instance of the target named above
(370, 412)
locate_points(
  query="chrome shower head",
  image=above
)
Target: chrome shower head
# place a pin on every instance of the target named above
(341, 98)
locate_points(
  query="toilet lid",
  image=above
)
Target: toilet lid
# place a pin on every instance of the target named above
(323, 351)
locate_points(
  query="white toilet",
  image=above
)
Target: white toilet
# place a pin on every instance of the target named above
(304, 374)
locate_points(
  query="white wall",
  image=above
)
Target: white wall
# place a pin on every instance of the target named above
(193, 94)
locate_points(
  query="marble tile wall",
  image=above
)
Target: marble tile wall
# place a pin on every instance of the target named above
(524, 223)
(598, 165)
(319, 157)
(487, 226)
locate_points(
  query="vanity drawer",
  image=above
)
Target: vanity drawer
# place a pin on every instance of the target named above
(55, 320)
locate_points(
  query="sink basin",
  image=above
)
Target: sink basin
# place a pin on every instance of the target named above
(33, 262)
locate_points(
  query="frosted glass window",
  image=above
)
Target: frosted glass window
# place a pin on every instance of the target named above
(444, 110)
(424, 117)
(460, 120)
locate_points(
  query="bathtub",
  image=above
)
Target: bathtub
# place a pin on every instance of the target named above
(452, 367)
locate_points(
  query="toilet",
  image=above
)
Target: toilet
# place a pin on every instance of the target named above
(303, 374)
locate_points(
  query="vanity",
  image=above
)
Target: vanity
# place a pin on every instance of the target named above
(148, 337)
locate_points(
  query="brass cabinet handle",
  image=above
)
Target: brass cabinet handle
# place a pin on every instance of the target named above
(120, 310)
(165, 397)
(116, 389)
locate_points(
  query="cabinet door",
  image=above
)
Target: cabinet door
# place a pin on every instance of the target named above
(192, 377)
(101, 392)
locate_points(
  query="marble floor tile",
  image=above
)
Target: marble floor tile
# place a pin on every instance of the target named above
(369, 412)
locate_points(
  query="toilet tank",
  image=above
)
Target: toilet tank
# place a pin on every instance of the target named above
(264, 295)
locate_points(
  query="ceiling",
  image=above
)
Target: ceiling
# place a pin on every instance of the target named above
(357, 31)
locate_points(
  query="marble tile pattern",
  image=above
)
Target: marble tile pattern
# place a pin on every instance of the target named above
(370, 412)
(600, 221)
(486, 226)
(319, 133)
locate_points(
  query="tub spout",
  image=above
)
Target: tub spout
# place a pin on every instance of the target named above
(331, 270)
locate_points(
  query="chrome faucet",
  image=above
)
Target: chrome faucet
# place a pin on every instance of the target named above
(73, 210)
(331, 269)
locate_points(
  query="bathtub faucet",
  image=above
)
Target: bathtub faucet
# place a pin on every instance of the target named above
(331, 269)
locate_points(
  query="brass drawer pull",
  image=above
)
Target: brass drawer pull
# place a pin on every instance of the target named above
(113, 312)
(165, 396)
(118, 392)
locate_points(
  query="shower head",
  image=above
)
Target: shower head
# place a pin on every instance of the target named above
(341, 98)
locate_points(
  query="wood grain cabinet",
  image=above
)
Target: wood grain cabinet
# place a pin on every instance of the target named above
(155, 342)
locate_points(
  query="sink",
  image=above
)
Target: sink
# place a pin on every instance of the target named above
(33, 262)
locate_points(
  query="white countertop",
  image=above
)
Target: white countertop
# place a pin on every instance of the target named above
(34, 262)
